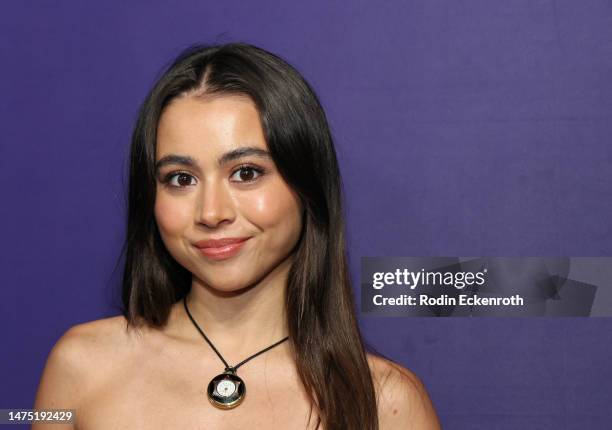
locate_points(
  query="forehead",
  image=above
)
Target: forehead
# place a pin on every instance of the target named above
(210, 124)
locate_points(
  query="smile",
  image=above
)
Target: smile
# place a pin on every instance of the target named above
(222, 252)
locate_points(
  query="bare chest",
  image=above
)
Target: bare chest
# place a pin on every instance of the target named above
(171, 392)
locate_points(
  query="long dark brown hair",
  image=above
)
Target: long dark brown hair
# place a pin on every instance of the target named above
(329, 350)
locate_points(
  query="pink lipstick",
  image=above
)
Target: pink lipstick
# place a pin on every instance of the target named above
(220, 249)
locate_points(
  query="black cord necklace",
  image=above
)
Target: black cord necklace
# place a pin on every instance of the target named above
(226, 390)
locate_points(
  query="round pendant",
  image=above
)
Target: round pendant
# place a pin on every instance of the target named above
(226, 391)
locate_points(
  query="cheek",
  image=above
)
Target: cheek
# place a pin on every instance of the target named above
(171, 216)
(277, 208)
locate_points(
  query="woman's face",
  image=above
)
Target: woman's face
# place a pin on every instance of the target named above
(207, 189)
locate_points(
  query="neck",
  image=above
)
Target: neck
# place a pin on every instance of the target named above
(241, 323)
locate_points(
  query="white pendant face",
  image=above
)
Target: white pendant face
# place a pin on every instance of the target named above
(226, 391)
(225, 388)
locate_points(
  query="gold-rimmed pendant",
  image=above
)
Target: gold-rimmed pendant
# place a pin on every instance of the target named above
(227, 390)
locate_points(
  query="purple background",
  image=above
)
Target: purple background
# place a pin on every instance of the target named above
(462, 128)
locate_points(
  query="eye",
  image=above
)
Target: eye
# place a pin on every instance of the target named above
(178, 180)
(247, 173)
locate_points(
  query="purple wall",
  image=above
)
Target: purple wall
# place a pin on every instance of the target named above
(462, 128)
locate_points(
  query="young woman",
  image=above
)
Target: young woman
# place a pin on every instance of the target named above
(238, 308)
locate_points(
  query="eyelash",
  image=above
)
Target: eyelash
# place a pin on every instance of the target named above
(258, 170)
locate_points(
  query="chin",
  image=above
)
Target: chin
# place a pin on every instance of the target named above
(229, 289)
(224, 283)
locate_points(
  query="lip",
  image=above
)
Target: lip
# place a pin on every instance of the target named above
(218, 243)
(219, 249)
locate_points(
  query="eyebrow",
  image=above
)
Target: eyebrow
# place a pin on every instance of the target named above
(185, 160)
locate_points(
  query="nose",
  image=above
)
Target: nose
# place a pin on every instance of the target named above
(216, 204)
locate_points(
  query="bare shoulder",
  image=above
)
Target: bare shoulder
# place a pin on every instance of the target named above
(96, 332)
(89, 343)
(81, 352)
(403, 401)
